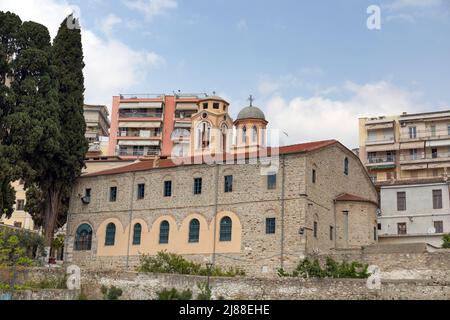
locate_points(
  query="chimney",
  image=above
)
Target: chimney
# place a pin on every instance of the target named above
(156, 162)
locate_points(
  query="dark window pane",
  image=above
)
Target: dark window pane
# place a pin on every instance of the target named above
(141, 191)
(167, 188)
(137, 234)
(315, 229)
(228, 183)
(270, 225)
(110, 234)
(113, 194)
(401, 228)
(437, 199)
(83, 238)
(346, 166)
(194, 231)
(401, 201)
(271, 181)
(197, 185)
(439, 226)
(164, 232)
(314, 176)
(225, 229)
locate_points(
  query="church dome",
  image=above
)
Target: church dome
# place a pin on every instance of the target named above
(251, 112)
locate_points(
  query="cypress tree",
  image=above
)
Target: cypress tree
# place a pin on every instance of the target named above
(9, 27)
(48, 198)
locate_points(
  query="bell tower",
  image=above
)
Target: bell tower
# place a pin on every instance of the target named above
(251, 125)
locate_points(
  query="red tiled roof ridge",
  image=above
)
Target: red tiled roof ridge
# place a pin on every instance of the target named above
(351, 197)
(148, 164)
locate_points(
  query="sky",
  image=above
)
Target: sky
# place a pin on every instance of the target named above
(313, 66)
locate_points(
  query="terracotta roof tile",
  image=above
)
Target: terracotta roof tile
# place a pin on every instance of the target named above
(144, 165)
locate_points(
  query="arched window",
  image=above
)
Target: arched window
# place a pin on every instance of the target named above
(194, 231)
(137, 234)
(254, 134)
(83, 238)
(244, 134)
(110, 236)
(164, 232)
(346, 166)
(225, 229)
(223, 141)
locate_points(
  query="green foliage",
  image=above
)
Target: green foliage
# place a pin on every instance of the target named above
(54, 283)
(331, 269)
(20, 247)
(58, 242)
(111, 293)
(446, 239)
(174, 294)
(165, 262)
(205, 291)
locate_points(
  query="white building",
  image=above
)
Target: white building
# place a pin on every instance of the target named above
(414, 211)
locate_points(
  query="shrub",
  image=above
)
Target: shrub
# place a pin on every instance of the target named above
(111, 293)
(446, 239)
(165, 262)
(19, 247)
(173, 294)
(332, 269)
(205, 291)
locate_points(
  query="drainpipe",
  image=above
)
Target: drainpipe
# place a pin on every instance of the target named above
(283, 178)
(130, 219)
(335, 225)
(216, 199)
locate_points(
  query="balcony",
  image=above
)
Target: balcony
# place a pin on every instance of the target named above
(429, 157)
(139, 153)
(428, 134)
(381, 140)
(384, 162)
(140, 115)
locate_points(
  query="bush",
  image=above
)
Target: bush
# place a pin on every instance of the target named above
(173, 294)
(19, 247)
(205, 291)
(111, 293)
(165, 262)
(332, 269)
(446, 239)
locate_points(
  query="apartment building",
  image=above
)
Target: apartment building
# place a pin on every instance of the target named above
(406, 153)
(151, 124)
(97, 129)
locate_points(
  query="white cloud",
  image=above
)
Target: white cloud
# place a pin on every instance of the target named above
(151, 8)
(242, 24)
(111, 67)
(107, 24)
(403, 4)
(321, 118)
(269, 85)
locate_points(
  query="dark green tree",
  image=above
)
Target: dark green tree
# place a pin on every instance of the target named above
(35, 123)
(9, 27)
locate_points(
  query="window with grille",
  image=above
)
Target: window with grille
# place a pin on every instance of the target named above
(113, 194)
(270, 225)
(137, 230)
(194, 231)
(167, 188)
(437, 199)
(439, 226)
(164, 232)
(226, 226)
(198, 185)
(110, 236)
(272, 181)
(141, 191)
(228, 184)
(83, 238)
(401, 201)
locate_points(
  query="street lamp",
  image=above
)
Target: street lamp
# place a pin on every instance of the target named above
(208, 268)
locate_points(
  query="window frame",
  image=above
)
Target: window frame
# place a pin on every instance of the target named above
(110, 235)
(194, 231)
(113, 194)
(164, 232)
(141, 191)
(401, 195)
(198, 186)
(85, 243)
(168, 188)
(437, 198)
(228, 184)
(271, 181)
(271, 225)
(226, 229)
(137, 234)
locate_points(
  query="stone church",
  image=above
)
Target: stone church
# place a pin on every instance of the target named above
(236, 211)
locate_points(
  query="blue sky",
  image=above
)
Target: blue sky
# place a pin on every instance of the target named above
(313, 66)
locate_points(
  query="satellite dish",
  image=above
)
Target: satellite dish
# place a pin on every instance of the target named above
(379, 212)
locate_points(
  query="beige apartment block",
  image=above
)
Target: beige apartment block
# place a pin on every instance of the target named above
(406, 146)
(319, 199)
(20, 218)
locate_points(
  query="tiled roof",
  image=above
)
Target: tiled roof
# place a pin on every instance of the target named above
(145, 165)
(351, 197)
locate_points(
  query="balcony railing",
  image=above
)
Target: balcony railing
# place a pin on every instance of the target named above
(386, 139)
(429, 156)
(139, 153)
(375, 160)
(140, 115)
(425, 135)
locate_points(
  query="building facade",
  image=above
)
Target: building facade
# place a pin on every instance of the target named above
(20, 218)
(97, 129)
(402, 154)
(319, 199)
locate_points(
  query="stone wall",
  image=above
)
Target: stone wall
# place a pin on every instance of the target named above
(145, 287)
